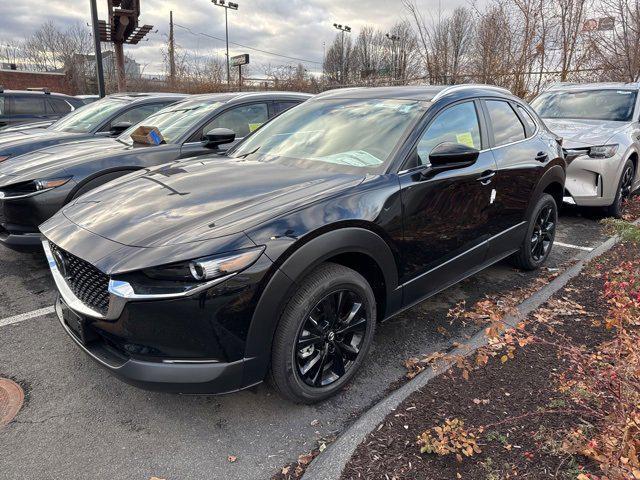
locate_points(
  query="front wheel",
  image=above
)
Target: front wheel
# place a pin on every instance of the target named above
(625, 187)
(541, 233)
(323, 335)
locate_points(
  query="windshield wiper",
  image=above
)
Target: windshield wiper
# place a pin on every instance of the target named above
(247, 154)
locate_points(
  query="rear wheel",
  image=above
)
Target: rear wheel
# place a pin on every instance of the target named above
(323, 335)
(541, 233)
(625, 186)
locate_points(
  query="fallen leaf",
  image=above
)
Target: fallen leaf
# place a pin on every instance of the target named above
(305, 459)
(232, 458)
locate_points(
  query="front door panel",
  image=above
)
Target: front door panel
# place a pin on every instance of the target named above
(446, 222)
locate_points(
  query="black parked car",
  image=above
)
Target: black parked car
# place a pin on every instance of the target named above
(207, 275)
(107, 117)
(34, 186)
(34, 105)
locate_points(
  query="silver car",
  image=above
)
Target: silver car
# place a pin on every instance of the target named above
(600, 124)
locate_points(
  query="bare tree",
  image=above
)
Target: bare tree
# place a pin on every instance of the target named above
(618, 50)
(443, 43)
(570, 19)
(338, 63)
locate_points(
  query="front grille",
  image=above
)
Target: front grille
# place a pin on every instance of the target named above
(88, 283)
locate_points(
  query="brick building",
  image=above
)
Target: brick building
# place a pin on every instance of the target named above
(21, 79)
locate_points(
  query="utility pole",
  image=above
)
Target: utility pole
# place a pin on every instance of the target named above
(172, 52)
(120, 28)
(233, 6)
(97, 48)
(395, 69)
(343, 29)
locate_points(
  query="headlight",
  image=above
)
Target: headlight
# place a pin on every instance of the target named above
(46, 184)
(207, 268)
(603, 151)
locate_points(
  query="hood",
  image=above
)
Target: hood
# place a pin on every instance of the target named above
(26, 126)
(53, 160)
(584, 133)
(194, 200)
(22, 141)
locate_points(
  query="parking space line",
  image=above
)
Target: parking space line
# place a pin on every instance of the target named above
(26, 316)
(577, 247)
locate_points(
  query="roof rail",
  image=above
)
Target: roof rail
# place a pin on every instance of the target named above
(45, 90)
(455, 88)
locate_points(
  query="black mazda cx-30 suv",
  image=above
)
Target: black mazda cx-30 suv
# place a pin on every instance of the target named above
(209, 275)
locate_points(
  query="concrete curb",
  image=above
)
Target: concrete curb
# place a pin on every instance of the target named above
(329, 464)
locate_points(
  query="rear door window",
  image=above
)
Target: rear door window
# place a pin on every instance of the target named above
(242, 119)
(530, 124)
(279, 107)
(27, 105)
(507, 127)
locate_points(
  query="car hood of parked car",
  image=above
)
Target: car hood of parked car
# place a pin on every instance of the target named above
(58, 160)
(584, 133)
(199, 199)
(19, 142)
(26, 126)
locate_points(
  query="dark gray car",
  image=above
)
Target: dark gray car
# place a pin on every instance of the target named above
(35, 186)
(34, 105)
(107, 117)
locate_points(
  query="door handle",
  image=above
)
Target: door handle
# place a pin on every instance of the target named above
(486, 177)
(542, 157)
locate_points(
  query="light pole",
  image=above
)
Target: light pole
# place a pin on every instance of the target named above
(343, 29)
(394, 55)
(233, 6)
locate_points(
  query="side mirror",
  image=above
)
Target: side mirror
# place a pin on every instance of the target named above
(453, 155)
(219, 136)
(118, 128)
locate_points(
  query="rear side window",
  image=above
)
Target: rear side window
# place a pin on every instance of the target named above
(530, 124)
(27, 105)
(507, 127)
(457, 124)
(58, 105)
(243, 119)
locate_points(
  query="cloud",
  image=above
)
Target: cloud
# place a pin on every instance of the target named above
(295, 28)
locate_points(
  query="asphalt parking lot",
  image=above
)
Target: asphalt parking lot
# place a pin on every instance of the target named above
(79, 422)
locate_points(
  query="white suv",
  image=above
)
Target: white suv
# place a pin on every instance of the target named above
(600, 124)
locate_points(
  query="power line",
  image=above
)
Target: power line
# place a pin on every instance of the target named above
(303, 60)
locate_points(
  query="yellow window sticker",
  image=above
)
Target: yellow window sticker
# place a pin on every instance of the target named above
(254, 126)
(465, 139)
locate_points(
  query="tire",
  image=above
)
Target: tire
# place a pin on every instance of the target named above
(525, 258)
(313, 297)
(625, 186)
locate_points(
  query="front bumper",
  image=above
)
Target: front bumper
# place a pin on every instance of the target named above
(20, 217)
(188, 344)
(190, 377)
(593, 182)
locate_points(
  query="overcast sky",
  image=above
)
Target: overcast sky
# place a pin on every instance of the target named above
(295, 28)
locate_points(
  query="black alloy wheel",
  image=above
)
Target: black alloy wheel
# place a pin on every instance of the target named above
(331, 338)
(324, 334)
(540, 235)
(543, 233)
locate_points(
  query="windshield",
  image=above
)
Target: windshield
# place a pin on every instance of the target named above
(356, 134)
(615, 105)
(89, 117)
(176, 120)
